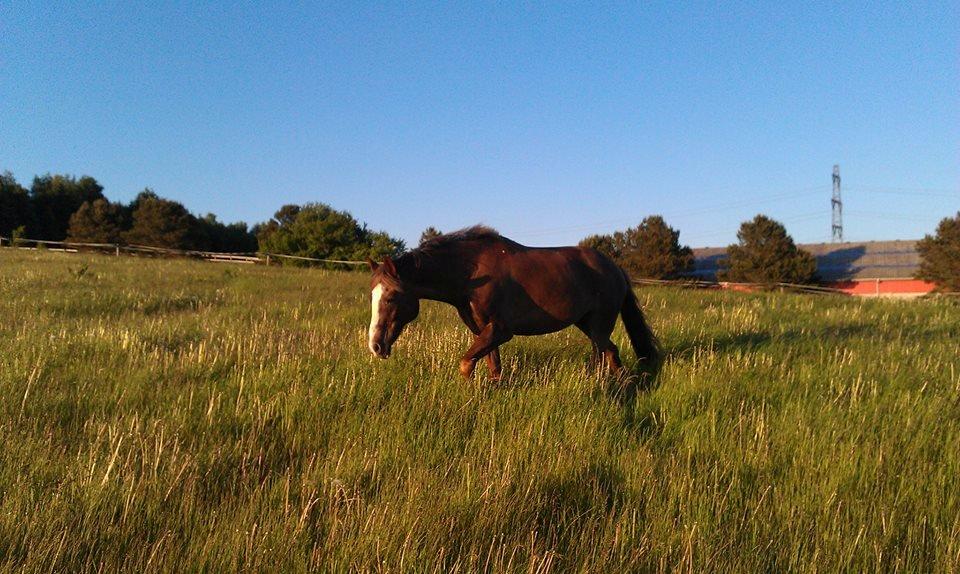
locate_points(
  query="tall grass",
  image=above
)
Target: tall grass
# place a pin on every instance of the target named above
(173, 415)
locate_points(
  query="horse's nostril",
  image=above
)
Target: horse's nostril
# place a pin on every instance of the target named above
(376, 348)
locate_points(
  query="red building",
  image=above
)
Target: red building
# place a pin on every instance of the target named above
(870, 268)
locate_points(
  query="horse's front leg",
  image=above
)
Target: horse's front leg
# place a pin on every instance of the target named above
(493, 359)
(490, 337)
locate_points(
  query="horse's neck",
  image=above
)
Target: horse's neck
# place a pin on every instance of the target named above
(435, 277)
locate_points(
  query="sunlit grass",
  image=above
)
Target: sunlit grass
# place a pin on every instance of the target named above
(170, 415)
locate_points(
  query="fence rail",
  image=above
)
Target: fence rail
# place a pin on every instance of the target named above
(701, 284)
(117, 249)
(265, 258)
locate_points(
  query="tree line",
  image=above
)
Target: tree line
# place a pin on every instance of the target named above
(63, 207)
(765, 254)
(67, 208)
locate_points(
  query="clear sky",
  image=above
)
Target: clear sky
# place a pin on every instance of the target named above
(548, 122)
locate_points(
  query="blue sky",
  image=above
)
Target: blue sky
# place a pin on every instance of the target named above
(549, 122)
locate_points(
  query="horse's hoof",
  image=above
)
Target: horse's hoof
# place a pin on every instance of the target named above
(466, 369)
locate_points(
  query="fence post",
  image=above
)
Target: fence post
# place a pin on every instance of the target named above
(117, 249)
(268, 260)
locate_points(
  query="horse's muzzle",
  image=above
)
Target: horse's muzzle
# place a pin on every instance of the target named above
(381, 351)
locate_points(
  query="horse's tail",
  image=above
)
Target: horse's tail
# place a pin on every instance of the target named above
(644, 342)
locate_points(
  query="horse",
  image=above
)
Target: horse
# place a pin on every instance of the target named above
(502, 289)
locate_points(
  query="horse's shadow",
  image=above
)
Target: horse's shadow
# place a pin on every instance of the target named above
(641, 377)
(623, 387)
(522, 366)
(687, 349)
(645, 378)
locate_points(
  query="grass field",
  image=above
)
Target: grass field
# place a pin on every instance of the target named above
(176, 415)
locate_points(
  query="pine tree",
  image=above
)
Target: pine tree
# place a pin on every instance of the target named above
(940, 255)
(54, 199)
(210, 234)
(14, 205)
(653, 250)
(766, 254)
(161, 222)
(429, 233)
(96, 222)
(602, 243)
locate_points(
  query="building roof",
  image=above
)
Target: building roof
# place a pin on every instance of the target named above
(838, 261)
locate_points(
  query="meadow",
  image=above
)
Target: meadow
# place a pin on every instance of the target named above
(161, 415)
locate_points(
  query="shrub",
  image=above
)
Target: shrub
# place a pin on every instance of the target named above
(767, 254)
(96, 222)
(160, 222)
(940, 255)
(602, 243)
(316, 230)
(653, 250)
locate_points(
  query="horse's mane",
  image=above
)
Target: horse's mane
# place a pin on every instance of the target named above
(474, 233)
(457, 246)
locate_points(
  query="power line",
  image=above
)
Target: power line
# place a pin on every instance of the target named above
(679, 214)
(929, 192)
(890, 216)
(696, 237)
(597, 226)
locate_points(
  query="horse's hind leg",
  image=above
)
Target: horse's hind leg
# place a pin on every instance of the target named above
(596, 353)
(598, 328)
(612, 354)
(493, 364)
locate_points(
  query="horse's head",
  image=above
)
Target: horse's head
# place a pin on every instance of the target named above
(391, 307)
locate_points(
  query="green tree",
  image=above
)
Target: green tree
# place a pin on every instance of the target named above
(285, 218)
(380, 247)
(766, 254)
(96, 222)
(287, 214)
(213, 235)
(55, 198)
(429, 233)
(144, 195)
(319, 231)
(653, 250)
(14, 205)
(940, 255)
(159, 222)
(602, 243)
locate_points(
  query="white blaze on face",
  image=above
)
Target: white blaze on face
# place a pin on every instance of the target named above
(374, 315)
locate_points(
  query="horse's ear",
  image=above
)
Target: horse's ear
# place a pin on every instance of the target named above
(390, 268)
(373, 264)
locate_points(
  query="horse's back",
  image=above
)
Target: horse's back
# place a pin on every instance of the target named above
(575, 267)
(544, 289)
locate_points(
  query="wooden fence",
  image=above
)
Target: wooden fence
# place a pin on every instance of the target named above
(264, 258)
(117, 249)
(701, 284)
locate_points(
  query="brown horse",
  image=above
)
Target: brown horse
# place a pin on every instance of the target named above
(501, 288)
